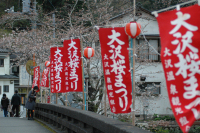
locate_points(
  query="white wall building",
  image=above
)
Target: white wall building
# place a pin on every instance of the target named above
(7, 78)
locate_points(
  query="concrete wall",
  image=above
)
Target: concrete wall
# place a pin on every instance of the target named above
(72, 120)
(154, 104)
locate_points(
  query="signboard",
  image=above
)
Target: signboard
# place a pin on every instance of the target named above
(115, 58)
(24, 76)
(179, 31)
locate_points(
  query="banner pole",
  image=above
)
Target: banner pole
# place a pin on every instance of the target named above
(87, 93)
(66, 99)
(49, 81)
(56, 98)
(27, 94)
(45, 97)
(133, 79)
(81, 42)
(49, 96)
(133, 70)
(41, 87)
(105, 93)
(105, 106)
(41, 93)
(171, 7)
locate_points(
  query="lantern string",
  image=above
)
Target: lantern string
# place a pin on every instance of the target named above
(112, 25)
(56, 46)
(74, 37)
(171, 7)
(82, 36)
(141, 32)
(149, 43)
(84, 39)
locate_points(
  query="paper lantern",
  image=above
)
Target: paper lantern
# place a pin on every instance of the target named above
(88, 52)
(47, 64)
(133, 29)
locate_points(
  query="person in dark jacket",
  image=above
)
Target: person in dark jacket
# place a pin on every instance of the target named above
(30, 104)
(16, 102)
(4, 104)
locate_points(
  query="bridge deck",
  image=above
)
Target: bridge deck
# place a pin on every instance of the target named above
(20, 125)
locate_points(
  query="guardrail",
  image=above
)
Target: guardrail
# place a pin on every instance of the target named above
(73, 120)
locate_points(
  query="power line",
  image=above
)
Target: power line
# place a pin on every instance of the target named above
(51, 4)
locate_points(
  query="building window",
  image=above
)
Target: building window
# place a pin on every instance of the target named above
(148, 88)
(15, 69)
(146, 52)
(6, 88)
(1, 62)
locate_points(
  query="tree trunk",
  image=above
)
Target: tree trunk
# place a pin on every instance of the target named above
(19, 5)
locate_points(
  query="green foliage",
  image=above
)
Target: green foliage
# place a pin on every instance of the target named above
(152, 5)
(87, 23)
(195, 130)
(166, 118)
(22, 23)
(157, 119)
(161, 130)
(147, 4)
(4, 32)
(165, 130)
(7, 4)
(124, 118)
(172, 130)
(2, 7)
(51, 5)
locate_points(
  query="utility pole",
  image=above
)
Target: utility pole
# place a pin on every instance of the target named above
(133, 70)
(18, 5)
(34, 22)
(53, 16)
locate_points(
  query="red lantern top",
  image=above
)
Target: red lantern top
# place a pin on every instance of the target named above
(47, 64)
(133, 29)
(88, 52)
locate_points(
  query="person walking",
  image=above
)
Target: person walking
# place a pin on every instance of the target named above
(30, 104)
(16, 102)
(10, 108)
(4, 104)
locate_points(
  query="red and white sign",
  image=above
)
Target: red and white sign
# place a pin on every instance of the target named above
(47, 64)
(115, 57)
(36, 78)
(180, 31)
(57, 75)
(73, 68)
(45, 79)
(48, 99)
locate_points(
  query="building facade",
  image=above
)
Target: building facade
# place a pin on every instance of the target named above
(8, 78)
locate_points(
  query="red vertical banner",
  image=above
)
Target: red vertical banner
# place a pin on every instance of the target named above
(36, 77)
(180, 32)
(57, 75)
(45, 79)
(73, 68)
(115, 58)
(48, 99)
